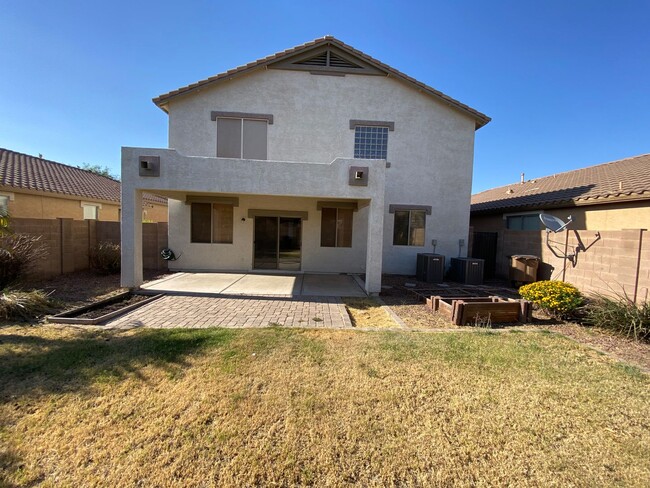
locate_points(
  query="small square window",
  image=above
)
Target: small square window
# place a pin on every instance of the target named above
(90, 212)
(370, 142)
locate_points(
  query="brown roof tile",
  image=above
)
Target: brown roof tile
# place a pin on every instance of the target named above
(27, 172)
(481, 119)
(628, 177)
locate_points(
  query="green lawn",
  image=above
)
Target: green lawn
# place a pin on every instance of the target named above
(284, 407)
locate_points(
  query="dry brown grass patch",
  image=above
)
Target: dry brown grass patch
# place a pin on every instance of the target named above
(217, 407)
(368, 312)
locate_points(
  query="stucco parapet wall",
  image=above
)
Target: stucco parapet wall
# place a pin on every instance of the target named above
(241, 176)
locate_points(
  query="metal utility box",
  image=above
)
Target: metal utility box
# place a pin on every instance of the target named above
(430, 267)
(467, 270)
(523, 268)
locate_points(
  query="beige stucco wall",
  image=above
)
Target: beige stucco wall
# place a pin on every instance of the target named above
(616, 216)
(44, 206)
(152, 212)
(36, 205)
(430, 151)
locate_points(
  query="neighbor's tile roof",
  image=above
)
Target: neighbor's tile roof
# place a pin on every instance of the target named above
(481, 119)
(601, 183)
(19, 170)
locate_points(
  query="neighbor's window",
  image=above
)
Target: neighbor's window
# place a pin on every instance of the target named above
(523, 222)
(4, 205)
(370, 142)
(409, 228)
(241, 138)
(90, 212)
(336, 227)
(211, 223)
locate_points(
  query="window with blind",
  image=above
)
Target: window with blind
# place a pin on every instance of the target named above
(336, 227)
(241, 138)
(211, 223)
(523, 222)
(409, 227)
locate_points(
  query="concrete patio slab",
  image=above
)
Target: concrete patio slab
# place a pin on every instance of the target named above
(326, 285)
(195, 282)
(266, 285)
(257, 284)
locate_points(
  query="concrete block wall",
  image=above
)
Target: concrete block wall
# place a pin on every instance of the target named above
(616, 263)
(69, 242)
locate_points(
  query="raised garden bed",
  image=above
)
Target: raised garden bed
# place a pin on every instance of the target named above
(103, 310)
(464, 310)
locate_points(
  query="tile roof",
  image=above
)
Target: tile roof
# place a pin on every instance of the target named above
(481, 119)
(27, 172)
(602, 183)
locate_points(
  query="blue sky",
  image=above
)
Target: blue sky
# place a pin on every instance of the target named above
(566, 83)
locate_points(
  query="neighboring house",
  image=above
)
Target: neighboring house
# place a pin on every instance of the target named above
(316, 159)
(35, 188)
(610, 196)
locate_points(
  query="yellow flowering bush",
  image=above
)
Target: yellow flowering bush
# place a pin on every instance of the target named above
(556, 298)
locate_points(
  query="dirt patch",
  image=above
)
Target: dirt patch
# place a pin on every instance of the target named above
(112, 307)
(84, 287)
(415, 315)
(622, 348)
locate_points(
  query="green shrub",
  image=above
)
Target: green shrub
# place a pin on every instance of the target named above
(24, 305)
(18, 254)
(106, 258)
(620, 315)
(556, 298)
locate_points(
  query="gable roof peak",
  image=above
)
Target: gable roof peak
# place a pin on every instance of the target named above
(374, 66)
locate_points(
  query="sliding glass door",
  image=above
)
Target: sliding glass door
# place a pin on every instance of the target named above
(277, 243)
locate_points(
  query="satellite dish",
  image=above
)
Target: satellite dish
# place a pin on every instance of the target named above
(553, 223)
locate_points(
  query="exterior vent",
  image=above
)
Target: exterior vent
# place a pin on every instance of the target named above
(328, 59)
(320, 60)
(339, 62)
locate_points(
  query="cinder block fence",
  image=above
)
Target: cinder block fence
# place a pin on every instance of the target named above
(603, 262)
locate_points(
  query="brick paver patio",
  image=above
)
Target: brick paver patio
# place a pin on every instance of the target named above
(199, 312)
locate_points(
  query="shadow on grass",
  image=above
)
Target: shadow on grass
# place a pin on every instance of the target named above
(33, 366)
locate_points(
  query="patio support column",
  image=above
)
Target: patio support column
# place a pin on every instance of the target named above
(374, 247)
(131, 231)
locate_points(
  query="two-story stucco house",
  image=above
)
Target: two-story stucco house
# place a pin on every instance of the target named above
(315, 159)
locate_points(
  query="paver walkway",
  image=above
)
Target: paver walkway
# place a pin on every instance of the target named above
(199, 312)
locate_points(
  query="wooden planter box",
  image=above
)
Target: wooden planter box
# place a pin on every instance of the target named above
(464, 310)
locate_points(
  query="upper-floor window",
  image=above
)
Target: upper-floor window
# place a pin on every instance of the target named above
(523, 222)
(241, 135)
(241, 138)
(370, 142)
(371, 138)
